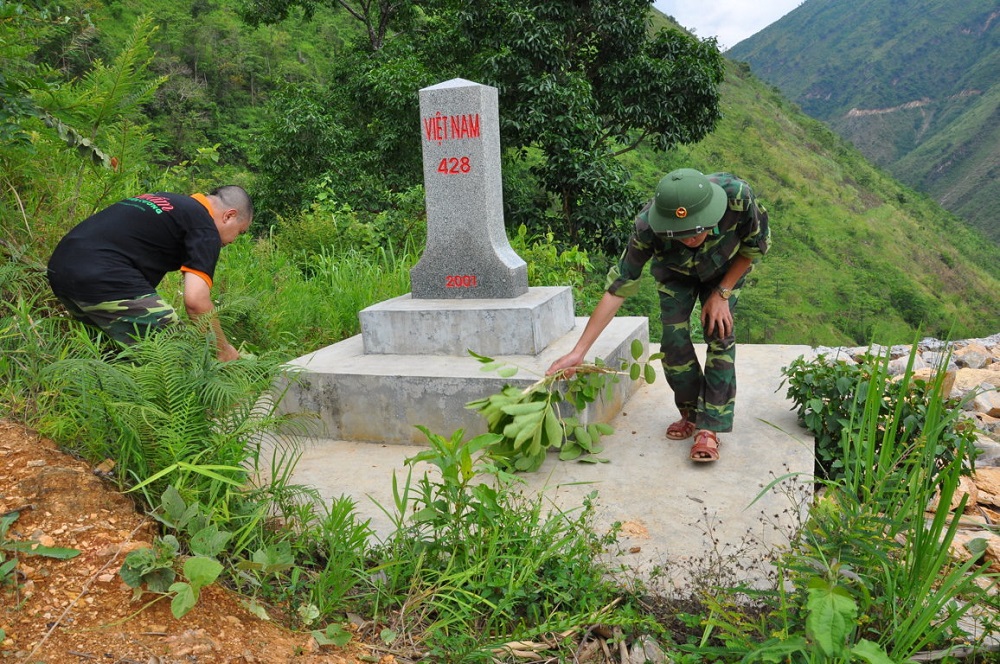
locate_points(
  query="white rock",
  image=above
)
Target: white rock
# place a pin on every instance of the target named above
(987, 402)
(973, 356)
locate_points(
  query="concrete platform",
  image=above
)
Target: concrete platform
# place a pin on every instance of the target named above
(679, 519)
(382, 397)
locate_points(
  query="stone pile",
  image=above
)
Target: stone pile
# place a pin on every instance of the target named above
(980, 519)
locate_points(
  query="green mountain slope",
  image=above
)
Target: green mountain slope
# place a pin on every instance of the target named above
(912, 83)
(856, 255)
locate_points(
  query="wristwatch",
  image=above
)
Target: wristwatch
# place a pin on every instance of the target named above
(724, 292)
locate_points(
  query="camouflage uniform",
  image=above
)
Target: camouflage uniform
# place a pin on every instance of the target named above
(124, 320)
(684, 276)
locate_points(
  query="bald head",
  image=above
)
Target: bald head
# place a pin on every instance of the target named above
(236, 197)
(233, 212)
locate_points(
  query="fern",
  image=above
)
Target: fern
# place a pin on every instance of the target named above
(166, 406)
(108, 92)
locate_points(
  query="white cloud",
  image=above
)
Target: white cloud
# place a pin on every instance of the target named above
(729, 21)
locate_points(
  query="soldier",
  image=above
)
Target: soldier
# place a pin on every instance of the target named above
(702, 235)
(106, 269)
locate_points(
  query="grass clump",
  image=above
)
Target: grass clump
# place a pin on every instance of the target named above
(869, 576)
(475, 569)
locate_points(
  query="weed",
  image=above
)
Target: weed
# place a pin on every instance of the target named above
(868, 576)
(478, 563)
(829, 394)
(30, 548)
(154, 568)
(9, 574)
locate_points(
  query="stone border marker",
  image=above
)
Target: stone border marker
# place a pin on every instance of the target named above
(410, 364)
(467, 254)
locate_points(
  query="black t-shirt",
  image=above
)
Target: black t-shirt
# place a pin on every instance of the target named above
(125, 250)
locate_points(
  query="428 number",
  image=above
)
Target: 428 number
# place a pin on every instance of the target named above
(454, 165)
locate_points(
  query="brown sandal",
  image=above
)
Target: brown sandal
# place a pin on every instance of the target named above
(681, 429)
(705, 448)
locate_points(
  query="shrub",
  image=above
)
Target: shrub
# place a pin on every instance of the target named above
(547, 265)
(830, 395)
(330, 225)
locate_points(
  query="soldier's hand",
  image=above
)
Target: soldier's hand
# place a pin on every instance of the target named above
(227, 353)
(567, 362)
(716, 319)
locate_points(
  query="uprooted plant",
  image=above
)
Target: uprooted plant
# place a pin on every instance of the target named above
(530, 421)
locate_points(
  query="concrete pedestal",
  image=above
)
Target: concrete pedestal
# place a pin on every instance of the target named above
(522, 325)
(382, 397)
(410, 365)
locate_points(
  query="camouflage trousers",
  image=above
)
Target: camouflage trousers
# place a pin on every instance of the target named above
(124, 320)
(705, 396)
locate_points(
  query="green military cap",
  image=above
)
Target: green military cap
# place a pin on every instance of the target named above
(686, 203)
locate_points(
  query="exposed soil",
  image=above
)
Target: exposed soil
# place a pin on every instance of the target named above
(80, 611)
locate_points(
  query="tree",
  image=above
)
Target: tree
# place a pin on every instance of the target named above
(21, 27)
(583, 82)
(376, 16)
(579, 82)
(352, 134)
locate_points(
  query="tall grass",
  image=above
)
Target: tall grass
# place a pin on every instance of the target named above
(32, 336)
(870, 576)
(475, 564)
(302, 301)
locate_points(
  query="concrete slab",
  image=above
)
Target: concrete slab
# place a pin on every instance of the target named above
(678, 518)
(381, 398)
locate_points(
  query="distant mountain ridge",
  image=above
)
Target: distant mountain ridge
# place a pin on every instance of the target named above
(914, 84)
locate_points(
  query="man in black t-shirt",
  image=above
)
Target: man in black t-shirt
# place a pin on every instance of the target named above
(106, 269)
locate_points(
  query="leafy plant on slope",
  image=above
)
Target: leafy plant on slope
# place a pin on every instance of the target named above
(154, 567)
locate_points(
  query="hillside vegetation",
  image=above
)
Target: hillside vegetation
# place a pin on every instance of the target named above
(189, 96)
(912, 83)
(315, 112)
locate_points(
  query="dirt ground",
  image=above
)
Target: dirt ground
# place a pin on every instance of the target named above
(80, 611)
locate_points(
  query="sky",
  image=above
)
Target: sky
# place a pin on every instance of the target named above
(729, 21)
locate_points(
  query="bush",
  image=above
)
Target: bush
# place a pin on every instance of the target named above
(547, 265)
(332, 225)
(830, 395)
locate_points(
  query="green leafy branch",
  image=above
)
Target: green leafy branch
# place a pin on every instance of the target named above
(530, 420)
